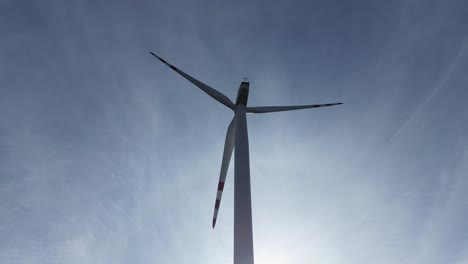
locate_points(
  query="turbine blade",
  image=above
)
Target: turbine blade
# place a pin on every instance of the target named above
(270, 109)
(228, 148)
(207, 89)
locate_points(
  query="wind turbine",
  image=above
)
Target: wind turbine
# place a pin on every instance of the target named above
(237, 137)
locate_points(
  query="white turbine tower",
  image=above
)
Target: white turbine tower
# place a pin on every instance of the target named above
(237, 137)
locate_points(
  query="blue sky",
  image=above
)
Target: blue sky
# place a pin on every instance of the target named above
(107, 156)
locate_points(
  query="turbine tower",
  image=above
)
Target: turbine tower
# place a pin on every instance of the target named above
(237, 138)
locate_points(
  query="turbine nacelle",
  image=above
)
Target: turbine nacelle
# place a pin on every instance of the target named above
(243, 93)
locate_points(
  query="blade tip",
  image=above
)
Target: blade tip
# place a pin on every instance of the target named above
(154, 54)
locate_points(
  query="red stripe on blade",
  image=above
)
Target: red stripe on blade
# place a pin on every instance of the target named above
(220, 186)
